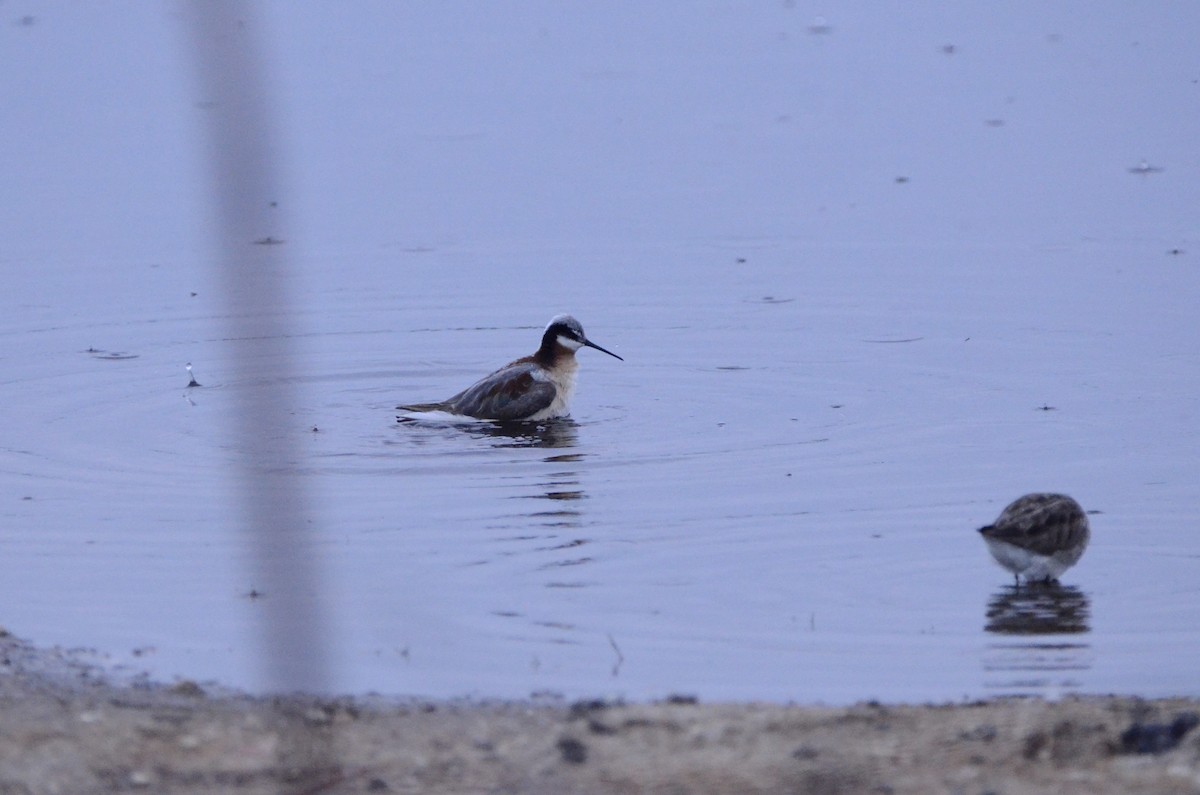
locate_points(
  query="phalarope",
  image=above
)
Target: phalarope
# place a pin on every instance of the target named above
(1038, 536)
(536, 387)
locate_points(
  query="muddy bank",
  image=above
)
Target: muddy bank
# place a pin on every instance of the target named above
(64, 729)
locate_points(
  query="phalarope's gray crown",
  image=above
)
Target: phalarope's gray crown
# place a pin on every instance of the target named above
(1038, 536)
(536, 387)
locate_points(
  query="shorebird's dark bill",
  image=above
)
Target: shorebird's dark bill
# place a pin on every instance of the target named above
(597, 347)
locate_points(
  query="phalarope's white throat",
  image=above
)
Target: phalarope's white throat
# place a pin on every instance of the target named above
(536, 387)
(1038, 536)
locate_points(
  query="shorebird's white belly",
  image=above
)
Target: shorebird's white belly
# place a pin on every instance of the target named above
(1029, 565)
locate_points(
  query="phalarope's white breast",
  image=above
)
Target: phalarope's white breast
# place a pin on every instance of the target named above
(536, 387)
(1039, 536)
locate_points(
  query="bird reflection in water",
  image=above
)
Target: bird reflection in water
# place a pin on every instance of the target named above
(538, 527)
(1038, 609)
(548, 527)
(561, 484)
(1049, 618)
(558, 433)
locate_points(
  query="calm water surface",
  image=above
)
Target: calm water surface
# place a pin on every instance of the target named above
(872, 279)
(774, 496)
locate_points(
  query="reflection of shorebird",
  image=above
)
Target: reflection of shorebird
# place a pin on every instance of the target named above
(1039, 640)
(1042, 609)
(536, 387)
(556, 433)
(1038, 537)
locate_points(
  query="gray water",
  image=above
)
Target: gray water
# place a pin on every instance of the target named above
(873, 277)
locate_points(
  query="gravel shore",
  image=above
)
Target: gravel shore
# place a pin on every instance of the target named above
(65, 729)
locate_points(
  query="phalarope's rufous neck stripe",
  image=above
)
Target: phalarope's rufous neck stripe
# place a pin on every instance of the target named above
(1039, 536)
(534, 387)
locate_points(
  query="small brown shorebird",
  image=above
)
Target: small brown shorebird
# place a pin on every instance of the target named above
(536, 387)
(1038, 537)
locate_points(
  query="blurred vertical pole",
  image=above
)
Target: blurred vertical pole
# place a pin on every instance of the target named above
(237, 109)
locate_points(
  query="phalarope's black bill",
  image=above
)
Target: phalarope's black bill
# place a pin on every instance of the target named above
(1039, 536)
(537, 387)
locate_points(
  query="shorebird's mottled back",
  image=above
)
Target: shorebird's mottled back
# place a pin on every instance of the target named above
(1038, 536)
